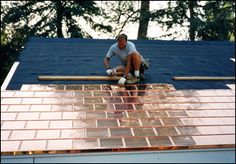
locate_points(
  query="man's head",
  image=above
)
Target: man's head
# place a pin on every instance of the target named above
(122, 40)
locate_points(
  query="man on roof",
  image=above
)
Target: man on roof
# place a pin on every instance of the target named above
(132, 63)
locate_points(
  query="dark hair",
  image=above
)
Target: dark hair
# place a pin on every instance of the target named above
(121, 36)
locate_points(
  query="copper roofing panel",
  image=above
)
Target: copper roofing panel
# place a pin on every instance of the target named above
(75, 118)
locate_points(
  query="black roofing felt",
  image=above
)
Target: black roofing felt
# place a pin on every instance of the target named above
(59, 56)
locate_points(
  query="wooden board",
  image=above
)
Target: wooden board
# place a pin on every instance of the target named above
(202, 78)
(79, 78)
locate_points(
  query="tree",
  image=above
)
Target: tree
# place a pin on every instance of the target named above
(46, 18)
(219, 21)
(179, 13)
(22, 19)
(121, 13)
(118, 14)
(193, 19)
(143, 19)
(208, 20)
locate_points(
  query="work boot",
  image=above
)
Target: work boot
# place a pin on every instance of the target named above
(132, 80)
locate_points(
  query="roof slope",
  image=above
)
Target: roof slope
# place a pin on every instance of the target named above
(54, 119)
(59, 56)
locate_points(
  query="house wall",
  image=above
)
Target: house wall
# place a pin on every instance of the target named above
(225, 155)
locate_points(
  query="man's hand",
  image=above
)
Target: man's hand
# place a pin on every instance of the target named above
(122, 81)
(111, 72)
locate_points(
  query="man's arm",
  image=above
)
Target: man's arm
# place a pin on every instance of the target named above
(106, 63)
(109, 71)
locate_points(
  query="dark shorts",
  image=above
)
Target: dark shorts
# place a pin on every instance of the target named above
(141, 69)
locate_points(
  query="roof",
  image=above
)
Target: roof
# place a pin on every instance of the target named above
(59, 56)
(45, 118)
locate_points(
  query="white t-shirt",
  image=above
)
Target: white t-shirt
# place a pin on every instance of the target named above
(121, 53)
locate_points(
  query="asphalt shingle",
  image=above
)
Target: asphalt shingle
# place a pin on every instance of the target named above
(76, 56)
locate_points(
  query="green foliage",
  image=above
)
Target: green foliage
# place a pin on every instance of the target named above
(103, 28)
(219, 21)
(211, 20)
(177, 14)
(22, 19)
(46, 18)
(9, 54)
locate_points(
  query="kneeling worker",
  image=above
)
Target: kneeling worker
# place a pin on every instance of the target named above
(132, 62)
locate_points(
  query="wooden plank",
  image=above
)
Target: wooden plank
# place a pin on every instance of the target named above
(82, 78)
(202, 78)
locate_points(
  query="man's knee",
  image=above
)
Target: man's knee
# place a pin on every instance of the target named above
(135, 56)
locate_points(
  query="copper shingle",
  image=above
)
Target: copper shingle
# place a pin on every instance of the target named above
(43, 119)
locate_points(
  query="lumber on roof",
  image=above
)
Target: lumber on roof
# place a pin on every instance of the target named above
(79, 78)
(202, 78)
